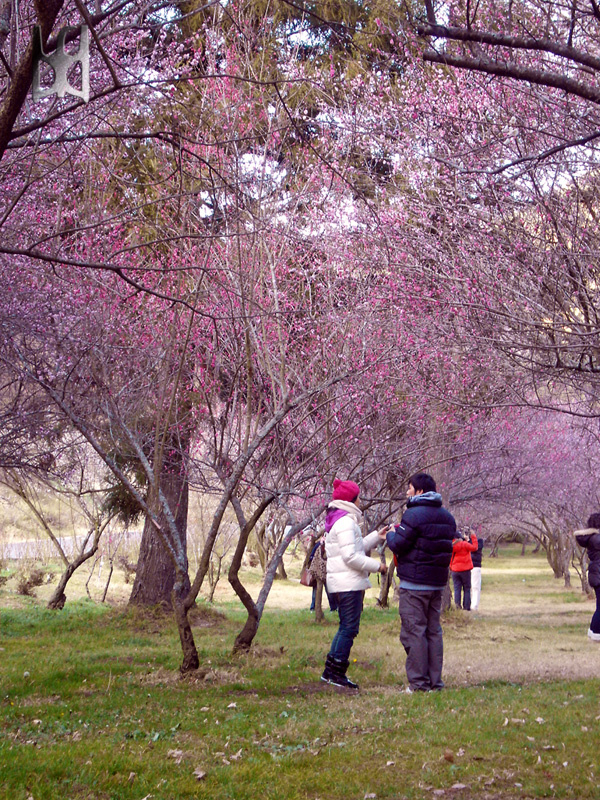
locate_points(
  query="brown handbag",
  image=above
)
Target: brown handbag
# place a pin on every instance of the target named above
(307, 578)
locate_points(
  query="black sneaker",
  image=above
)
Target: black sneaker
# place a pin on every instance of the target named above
(328, 675)
(343, 681)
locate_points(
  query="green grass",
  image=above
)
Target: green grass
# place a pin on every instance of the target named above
(92, 705)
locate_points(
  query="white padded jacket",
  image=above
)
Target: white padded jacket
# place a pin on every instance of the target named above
(348, 566)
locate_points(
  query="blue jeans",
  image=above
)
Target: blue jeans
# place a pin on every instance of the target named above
(462, 580)
(349, 606)
(330, 598)
(595, 623)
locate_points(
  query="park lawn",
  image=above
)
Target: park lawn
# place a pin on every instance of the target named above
(92, 704)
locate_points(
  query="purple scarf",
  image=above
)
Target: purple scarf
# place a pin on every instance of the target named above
(333, 514)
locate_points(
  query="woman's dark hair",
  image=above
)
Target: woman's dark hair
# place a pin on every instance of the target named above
(594, 521)
(422, 482)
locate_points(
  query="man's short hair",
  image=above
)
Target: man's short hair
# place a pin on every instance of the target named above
(594, 521)
(423, 482)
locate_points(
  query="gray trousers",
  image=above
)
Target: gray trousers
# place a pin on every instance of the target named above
(421, 637)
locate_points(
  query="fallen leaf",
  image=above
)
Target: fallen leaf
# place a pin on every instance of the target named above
(390, 763)
(517, 721)
(232, 705)
(540, 720)
(457, 787)
(449, 755)
(176, 755)
(199, 774)
(370, 796)
(237, 756)
(505, 723)
(131, 777)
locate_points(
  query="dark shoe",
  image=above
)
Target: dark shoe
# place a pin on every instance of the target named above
(329, 671)
(344, 682)
(340, 678)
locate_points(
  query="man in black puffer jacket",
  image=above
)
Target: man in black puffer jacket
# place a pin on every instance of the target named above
(590, 538)
(422, 546)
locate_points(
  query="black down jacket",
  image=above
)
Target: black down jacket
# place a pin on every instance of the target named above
(422, 542)
(590, 538)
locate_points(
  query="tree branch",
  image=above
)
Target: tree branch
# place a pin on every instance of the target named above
(511, 70)
(510, 42)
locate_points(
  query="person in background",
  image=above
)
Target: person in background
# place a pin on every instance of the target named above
(317, 564)
(590, 539)
(461, 567)
(348, 568)
(476, 575)
(422, 548)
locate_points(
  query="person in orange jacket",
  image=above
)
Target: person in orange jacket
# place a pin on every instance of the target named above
(461, 565)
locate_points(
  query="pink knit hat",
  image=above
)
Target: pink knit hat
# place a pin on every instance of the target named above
(345, 490)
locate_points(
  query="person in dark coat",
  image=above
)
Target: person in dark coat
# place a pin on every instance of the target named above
(590, 539)
(422, 548)
(476, 557)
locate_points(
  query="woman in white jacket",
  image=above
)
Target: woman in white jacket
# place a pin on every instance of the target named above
(348, 568)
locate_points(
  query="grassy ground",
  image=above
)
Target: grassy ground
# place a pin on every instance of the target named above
(92, 704)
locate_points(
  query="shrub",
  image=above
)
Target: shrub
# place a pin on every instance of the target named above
(127, 567)
(28, 579)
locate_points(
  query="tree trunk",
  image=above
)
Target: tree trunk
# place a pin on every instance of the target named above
(447, 596)
(58, 599)
(386, 584)
(155, 572)
(214, 573)
(14, 99)
(281, 574)
(191, 661)
(585, 584)
(566, 549)
(263, 555)
(246, 636)
(319, 616)
(107, 584)
(495, 542)
(244, 639)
